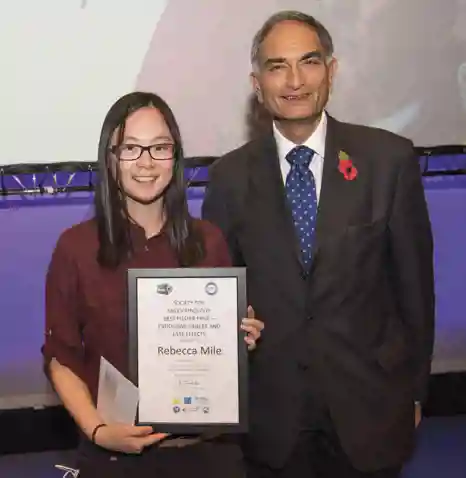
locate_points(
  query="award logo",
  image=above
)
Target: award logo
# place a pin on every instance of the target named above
(164, 289)
(211, 288)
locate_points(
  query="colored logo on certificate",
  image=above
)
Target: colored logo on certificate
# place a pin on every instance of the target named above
(211, 288)
(188, 400)
(164, 289)
(176, 409)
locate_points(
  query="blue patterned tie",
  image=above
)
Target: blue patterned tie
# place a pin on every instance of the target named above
(302, 197)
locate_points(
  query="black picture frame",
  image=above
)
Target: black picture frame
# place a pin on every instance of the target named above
(135, 275)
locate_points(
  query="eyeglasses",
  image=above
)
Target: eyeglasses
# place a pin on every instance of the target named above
(132, 152)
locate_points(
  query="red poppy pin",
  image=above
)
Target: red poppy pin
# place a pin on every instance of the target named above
(346, 166)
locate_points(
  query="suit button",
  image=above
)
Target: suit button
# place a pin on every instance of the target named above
(302, 366)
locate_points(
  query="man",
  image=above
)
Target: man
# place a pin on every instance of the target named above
(331, 222)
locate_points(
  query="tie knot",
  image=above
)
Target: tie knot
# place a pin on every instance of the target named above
(301, 156)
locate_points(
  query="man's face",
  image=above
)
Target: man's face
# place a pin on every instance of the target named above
(293, 79)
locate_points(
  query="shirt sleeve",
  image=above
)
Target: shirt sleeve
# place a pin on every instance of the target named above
(63, 340)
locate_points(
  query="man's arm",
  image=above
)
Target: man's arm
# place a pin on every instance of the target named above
(217, 209)
(412, 253)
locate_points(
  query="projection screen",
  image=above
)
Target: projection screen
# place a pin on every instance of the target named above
(64, 62)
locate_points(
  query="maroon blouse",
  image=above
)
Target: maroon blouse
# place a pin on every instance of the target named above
(85, 306)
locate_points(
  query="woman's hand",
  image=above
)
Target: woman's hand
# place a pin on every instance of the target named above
(253, 327)
(126, 438)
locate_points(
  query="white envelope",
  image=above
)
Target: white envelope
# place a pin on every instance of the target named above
(118, 398)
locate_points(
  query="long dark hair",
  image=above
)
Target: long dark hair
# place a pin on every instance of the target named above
(111, 212)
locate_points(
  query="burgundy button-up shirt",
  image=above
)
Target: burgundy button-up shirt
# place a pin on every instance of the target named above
(85, 312)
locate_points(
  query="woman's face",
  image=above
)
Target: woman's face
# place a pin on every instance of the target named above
(145, 157)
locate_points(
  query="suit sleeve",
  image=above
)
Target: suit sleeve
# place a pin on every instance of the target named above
(217, 209)
(412, 249)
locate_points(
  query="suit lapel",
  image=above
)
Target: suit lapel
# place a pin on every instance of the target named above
(337, 193)
(267, 178)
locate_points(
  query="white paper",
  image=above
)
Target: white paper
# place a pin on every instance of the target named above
(198, 318)
(118, 398)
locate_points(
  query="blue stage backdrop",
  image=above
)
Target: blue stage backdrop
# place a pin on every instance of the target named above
(30, 227)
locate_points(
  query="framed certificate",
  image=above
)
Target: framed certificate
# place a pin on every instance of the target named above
(187, 353)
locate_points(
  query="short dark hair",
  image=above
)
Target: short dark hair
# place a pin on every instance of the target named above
(111, 212)
(291, 15)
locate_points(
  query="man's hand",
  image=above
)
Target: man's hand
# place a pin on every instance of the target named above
(253, 327)
(417, 414)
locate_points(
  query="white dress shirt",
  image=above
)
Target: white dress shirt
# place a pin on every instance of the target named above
(316, 142)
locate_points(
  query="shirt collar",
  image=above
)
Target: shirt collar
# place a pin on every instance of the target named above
(316, 141)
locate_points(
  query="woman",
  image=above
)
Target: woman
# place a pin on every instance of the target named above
(141, 221)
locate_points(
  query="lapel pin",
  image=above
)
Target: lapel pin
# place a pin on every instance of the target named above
(346, 166)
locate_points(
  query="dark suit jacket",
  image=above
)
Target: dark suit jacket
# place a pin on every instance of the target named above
(362, 321)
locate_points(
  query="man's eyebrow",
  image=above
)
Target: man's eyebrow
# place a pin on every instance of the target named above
(271, 61)
(307, 56)
(313, 54)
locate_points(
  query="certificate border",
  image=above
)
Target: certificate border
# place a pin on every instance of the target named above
(239, 273)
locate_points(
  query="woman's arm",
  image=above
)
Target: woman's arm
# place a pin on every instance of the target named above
(64, 358)
(75, 396)
(77, 400)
